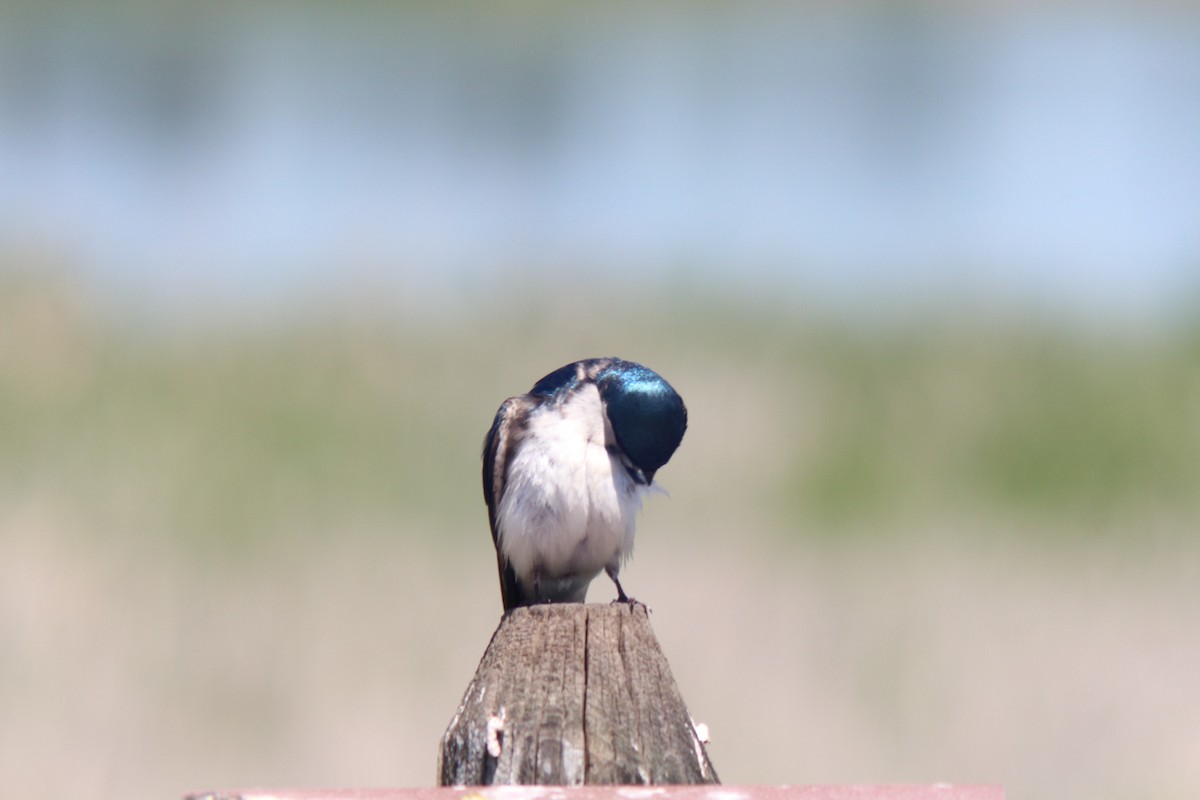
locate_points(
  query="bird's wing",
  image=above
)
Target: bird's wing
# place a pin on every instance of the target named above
(499, 447)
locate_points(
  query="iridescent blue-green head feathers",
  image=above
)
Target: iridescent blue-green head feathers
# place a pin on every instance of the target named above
(647, 415)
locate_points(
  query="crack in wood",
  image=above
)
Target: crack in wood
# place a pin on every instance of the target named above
(589, 698)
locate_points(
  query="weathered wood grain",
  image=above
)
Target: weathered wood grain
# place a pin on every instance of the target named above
(571, 694)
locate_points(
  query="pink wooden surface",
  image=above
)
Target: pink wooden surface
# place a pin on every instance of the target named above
(930, 791)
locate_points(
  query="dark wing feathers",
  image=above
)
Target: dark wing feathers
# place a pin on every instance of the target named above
(498, 448)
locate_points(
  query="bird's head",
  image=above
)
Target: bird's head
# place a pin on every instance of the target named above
(648, 417)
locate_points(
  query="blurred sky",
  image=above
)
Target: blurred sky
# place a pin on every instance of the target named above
(1036, 152)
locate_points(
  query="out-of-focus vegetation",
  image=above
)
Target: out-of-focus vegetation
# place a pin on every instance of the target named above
(222, 434)
(248, 547)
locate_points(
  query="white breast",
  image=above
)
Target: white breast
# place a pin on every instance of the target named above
(569, 507)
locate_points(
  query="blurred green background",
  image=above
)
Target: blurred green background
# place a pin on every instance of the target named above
(266, 273)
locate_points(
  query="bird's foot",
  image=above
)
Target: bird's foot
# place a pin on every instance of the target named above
(633, 603)
(624, 598)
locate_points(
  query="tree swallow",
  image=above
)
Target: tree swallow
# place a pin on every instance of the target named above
(564, 471)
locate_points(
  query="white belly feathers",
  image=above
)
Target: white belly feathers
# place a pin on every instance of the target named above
(569, 507)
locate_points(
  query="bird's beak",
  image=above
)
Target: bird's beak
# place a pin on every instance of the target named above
(642, 477)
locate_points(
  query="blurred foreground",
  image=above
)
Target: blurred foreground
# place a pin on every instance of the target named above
(254, 551)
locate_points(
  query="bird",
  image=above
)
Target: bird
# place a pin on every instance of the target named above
(565, 469)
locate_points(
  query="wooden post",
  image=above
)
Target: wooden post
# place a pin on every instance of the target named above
(570, 694)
